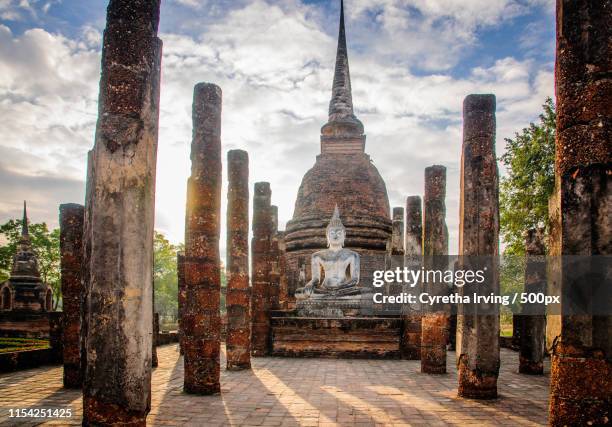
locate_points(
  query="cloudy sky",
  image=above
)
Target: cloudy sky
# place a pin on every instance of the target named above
(412, 63)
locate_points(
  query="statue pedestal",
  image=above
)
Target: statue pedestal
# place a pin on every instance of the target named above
(344, 337)
(337, 327)
(335, 307)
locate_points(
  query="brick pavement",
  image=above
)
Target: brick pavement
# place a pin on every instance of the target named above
(304, 392)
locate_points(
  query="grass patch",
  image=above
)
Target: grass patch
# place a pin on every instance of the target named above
(11, 345)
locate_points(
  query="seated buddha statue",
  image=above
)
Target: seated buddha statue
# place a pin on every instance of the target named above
(334, 262)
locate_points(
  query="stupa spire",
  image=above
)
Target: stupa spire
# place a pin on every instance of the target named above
(341, 104)
(24, 222)
(343, 133)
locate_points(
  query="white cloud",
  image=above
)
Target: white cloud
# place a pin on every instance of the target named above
(21, 10)
(431, 35)
(48, 97)
(274, 63)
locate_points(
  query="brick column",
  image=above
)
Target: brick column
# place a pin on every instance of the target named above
(154, 359)
(434, 332)
(155, 317)
(410, 345)
(71, 261)
(55, 336)
(397, 232)
(87, 222)
(238, 298)
(413, 245)
(581, 362)
(283, 293)
(260, 270)
(180, 270)
(201, 315)
(120, 215)
(533, 324)
(478, 331)
(452, 321)
(274, 260)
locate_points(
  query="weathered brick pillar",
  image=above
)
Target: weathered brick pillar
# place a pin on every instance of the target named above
(516, 329)
(452, 332)
(56, 326)
(238, 298)
(154, 359)
(413, 257)
(260, 247)
(581, 362)
(201, 315)
(85, 276)
(533, 323)
(452, 321)
(274, 218)
(180, 270)
(71, 261)
(120, 211)
(434, 332)
(274, 288)
(478, 331)
(283, 293)
(155, 318)
(397, 233)
(413, 245)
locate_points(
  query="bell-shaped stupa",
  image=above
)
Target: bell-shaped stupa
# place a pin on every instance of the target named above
(342, 175)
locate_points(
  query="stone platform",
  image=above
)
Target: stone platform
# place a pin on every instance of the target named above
(24, 324)
(342, 337)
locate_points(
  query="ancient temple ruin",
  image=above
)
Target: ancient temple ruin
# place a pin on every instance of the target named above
(24, 291)
(310, 283)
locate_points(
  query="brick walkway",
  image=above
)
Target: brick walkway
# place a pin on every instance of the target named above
(304, 392)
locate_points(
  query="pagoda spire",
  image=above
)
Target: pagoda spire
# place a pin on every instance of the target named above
(341, 104)
(24, 222)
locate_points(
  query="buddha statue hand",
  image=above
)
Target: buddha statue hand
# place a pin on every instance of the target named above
(307, 290)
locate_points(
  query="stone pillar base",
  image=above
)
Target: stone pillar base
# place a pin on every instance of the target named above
(97, 413)
(474, 384)
(202, 389)
(433, 343)
(432, 366)
(410, 346)
(238, 366)
(202, 373)
(238, 357)
(530, 367)
(411, 354)
(72, 375)
(580, 388)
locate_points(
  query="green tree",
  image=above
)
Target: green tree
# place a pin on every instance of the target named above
(45, 244)
(165, 277)
(524, 192)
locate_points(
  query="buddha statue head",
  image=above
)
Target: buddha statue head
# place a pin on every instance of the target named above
(335, 231)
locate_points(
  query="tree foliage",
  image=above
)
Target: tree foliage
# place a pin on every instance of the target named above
(524, 192)
(165, 277)
(45, 244)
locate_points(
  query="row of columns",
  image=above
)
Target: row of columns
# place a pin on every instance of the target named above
(427, 236)
(117, 238)
(248, 308)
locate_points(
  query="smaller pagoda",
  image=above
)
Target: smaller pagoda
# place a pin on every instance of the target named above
(25, 291)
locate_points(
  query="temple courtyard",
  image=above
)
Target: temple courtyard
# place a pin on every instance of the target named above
(303, 392)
